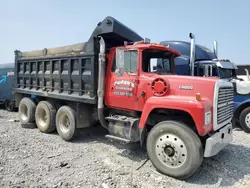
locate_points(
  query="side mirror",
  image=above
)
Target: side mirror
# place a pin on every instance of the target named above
(119, 72)
(119, 62)
(154, 68)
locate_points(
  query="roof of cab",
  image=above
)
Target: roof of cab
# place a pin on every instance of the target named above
(150, 46)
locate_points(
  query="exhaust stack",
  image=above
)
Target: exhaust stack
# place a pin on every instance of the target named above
(215, 48)
(247, 73)
(101, 84)
(192, 53)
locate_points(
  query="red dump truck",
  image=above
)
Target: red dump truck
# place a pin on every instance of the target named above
(110, 80)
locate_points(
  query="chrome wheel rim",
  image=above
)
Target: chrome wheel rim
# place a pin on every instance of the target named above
(171, 150)
(64, 123)
(24, 112)
(42, 118)
(247, 120)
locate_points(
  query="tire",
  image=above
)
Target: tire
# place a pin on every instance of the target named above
(245, 120)
(26, 111)
(174, 136)
(45, 116)
(9, 105)
(29, 125)
(66, 123)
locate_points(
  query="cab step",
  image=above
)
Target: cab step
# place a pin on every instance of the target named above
(119, 118)
(118, 138)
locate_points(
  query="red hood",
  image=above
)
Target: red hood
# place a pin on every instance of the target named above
(188, 85)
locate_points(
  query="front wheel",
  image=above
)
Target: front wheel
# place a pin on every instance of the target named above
(245, 120)
(174, 149)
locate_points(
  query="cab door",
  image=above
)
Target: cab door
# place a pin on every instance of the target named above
(123, 75)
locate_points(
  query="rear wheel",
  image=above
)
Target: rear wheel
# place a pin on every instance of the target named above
(26, 111)
(9, 105)
(174, 149)
(66, 123)
(245, 120)
(45, 117)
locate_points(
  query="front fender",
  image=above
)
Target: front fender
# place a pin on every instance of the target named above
(240, 100)
(239, 105)
(188, 104)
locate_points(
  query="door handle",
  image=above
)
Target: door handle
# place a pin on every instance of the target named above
(141, 95)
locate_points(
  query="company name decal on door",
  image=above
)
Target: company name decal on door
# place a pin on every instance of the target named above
(124, 88)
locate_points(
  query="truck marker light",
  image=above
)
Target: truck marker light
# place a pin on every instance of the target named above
(208, 118)
(138, 42)
(198, 96)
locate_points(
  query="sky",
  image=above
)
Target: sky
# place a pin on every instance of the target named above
(36, 24)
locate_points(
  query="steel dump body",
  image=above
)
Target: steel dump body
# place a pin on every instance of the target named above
(6, 81)
(64, 77)
(69, 72)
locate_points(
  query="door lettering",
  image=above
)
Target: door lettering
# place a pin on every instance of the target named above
(123, 88)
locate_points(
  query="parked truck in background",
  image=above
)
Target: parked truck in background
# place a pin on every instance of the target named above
(206, 63)
(242, 71)
(6, 86)
(242, 98)
(108, 79)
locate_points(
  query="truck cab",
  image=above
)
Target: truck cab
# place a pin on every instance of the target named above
(158, 99)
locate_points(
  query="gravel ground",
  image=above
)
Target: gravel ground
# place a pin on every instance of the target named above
(29, 158)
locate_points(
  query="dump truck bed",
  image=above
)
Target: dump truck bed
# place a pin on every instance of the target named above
(69, 72)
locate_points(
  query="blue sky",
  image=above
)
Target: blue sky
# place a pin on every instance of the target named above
(36, 24)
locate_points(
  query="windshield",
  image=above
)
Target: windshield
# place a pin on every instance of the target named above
(157, 61)
(226, 73)
(204, 53)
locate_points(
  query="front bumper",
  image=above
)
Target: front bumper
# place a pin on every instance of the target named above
(218, 141)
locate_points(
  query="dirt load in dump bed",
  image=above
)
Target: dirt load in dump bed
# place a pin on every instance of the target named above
(113, 32)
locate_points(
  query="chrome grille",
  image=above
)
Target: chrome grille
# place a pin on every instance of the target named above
(225, 104)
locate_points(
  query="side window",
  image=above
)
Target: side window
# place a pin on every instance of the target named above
(130, 62)
(153, 63)
(163, 65)
(166, 65)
